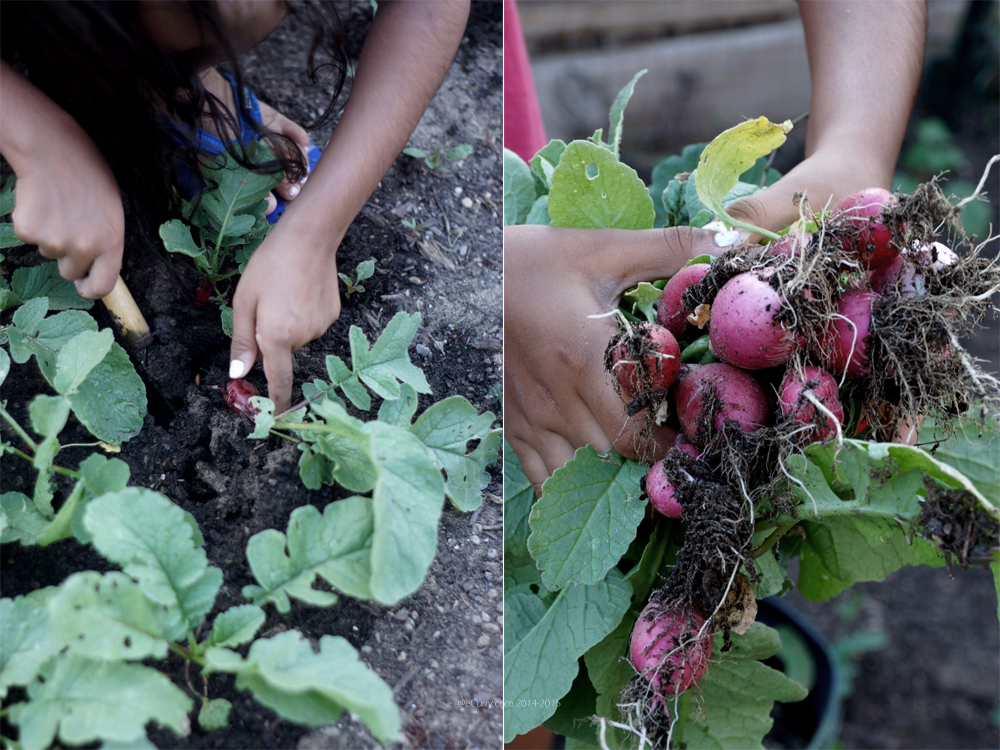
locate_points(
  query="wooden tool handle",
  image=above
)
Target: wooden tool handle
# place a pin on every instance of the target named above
(128, 317)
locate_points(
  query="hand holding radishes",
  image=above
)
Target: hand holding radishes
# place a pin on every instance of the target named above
(561, 283)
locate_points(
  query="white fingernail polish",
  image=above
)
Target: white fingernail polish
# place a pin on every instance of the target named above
(293, 191)
(236, 369)
(302, 180)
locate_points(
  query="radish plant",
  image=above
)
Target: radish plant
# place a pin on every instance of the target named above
(362, 271)
(228, 217)
(87, 636)
(789, 461)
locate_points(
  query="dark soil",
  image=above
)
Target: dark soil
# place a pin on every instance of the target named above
(442, 645)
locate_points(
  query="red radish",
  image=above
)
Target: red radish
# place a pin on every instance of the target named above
(906, 273)
(662, 360)
(738, 395)
(790, 246)
(671, 312)
(744, 331)
(794, 401)
(237, 394)
(873, 246)
(202, 293)
(667, 650)
(662, 494)
(844, 345)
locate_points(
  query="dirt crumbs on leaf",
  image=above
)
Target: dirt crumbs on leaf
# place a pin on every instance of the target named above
(958, 525)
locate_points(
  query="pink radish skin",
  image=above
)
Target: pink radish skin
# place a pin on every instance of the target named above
(671, 312)
(655, 653)
(873, 247)
(662, 369)
(836, 344)
(661, 492)
(790, 246)
(237, 394)
(824, 388)
(903, 276)
(743, 330)
(743, 399)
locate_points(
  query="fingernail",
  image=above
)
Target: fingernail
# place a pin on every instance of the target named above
(236, 369)
(302, 180)
(293, 191)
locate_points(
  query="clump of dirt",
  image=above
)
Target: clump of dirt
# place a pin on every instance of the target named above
(958, 525)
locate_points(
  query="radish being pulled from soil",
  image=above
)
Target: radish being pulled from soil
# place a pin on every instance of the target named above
(237, 394)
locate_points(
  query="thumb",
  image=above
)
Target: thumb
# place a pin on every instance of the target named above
(650, 254)
(243, 349)
(774, 208)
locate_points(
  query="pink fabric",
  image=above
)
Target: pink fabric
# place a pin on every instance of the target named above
(523, 129)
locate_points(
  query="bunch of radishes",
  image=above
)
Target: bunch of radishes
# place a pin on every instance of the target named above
(866, 309)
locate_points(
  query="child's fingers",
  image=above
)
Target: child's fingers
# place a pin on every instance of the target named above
(272, 203)
(243, 349)
(100, 279)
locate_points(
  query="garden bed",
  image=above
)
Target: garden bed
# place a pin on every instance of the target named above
(443, 644)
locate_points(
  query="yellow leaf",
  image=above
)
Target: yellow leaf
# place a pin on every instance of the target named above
(731, 154)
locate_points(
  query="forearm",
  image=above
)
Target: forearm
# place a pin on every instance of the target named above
(29, 121)
(865, 61)
(404, 60)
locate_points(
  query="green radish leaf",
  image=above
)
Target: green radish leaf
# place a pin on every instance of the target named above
(100, 475)
(28, 636)
(8, 196)
(416, 153)
(545, 643)
(544, 163)
(29, 317)
(458, 152)
(238, 187)
(731, 154)
(591, 189)
(107, 616)
(387, 363)
(365, 269)
(586, 518)
(8, 238)
(151, 539)
(214, 714)
(83, 701)
(226, 316)
(78, 357)
(539, 213)
(176, 236)
(286, 675)
(737, 693)
(44, 281)
(401, 410)
(407, 502)
(236, 626)
(642, 299)
(518, 497)
(445, 429)
(335, 546)
(4, 365)
(518, 189)
(48, 414)
(617, 113)
(24, 521)
(264, 420)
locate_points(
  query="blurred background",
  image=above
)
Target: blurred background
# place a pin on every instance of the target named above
(919, 652)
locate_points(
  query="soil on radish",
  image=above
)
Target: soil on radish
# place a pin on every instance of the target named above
(443, 644)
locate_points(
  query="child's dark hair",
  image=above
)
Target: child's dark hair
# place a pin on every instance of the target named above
(141, 103)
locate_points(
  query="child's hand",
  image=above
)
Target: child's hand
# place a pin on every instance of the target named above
(287, 297)
(288, 188)
(68, 201)
(557, 396)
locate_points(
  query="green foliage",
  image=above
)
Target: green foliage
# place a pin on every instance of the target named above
(34, 282)
(227, 217)
(437, 160)
(586, 518)
(854, 503)
(83, 365)
(70, 646)
(376, 547)
(362, 271)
